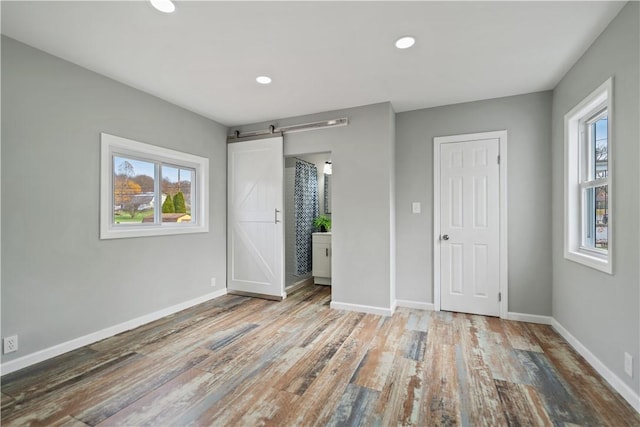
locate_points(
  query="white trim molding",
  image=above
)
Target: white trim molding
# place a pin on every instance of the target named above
(529, 318)
(574, 148)
(418, 305)
(501, 135)
(618, 384)
(57, 350)
(112, 146)
(361, 308)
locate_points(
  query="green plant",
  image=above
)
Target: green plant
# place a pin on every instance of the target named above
(323, 223)
(178, 203)
(167, 206)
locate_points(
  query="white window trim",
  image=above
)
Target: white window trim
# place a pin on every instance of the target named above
(110, 145)
(573, 249)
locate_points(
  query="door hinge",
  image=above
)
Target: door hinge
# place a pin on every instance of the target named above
(499, 296)
(498, 159)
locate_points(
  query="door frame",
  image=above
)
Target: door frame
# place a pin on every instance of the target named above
(501, 135)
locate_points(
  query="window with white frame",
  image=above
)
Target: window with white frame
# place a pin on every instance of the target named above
(148, 190)
(588, 188)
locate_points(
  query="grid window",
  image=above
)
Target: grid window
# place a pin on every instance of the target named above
(594, 181)
(588, 219)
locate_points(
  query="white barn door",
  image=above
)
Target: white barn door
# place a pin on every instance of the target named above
(255, 234)
(468, 241)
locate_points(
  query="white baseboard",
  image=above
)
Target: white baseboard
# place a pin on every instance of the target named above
(530, 318)
(56, 350)
(361, 308)
(618, 384)
(415, 304)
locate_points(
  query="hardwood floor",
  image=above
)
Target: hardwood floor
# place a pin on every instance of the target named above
(237, 361)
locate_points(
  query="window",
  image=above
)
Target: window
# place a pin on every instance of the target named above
(149, 191)
(588, 171)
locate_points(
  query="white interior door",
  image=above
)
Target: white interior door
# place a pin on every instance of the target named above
(255, 247)
(469, 241)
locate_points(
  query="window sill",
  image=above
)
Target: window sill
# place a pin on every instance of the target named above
(149, 231)
(592, 260)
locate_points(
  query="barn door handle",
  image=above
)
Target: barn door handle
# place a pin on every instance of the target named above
(326, 251)
(276, 216)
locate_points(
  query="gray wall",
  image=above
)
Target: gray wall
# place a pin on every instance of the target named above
(527, 120)
(361, 197)
(59, 281)
(601, 310)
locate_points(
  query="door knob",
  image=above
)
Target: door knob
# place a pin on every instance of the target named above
(445, 237)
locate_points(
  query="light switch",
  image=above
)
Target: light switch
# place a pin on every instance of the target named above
(415, 207)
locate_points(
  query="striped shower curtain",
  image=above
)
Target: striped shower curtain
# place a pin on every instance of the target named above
(305, 196)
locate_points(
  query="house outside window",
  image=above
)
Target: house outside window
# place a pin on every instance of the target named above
(588, 186)
(148, 190)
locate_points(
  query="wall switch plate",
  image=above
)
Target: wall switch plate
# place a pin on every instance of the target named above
(628, 364)
(213, 282)
(415, 207)
(10, 344)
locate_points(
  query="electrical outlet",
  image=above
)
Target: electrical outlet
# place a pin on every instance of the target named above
(10, 344)
(213, 282)
(416, 208)
(628, 364)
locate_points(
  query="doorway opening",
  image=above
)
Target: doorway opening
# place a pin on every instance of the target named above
(307, 196)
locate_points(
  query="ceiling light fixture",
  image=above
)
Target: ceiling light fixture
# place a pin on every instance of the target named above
(263, 80)
(405, 42)
(165, 6)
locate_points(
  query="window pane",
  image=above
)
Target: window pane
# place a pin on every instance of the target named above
(600, 128)
(596, 218)
(588, 218)
(133, 196)
(602, 217)
(176, 194)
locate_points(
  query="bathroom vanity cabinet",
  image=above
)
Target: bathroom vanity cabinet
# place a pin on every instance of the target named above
(321, 248)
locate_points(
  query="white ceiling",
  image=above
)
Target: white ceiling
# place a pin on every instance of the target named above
(321, 55)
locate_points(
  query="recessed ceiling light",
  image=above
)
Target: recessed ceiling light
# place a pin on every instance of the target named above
(405, 42)
(165, 6)
(263, 80)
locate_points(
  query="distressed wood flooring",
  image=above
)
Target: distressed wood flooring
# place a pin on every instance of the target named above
(237, 361)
